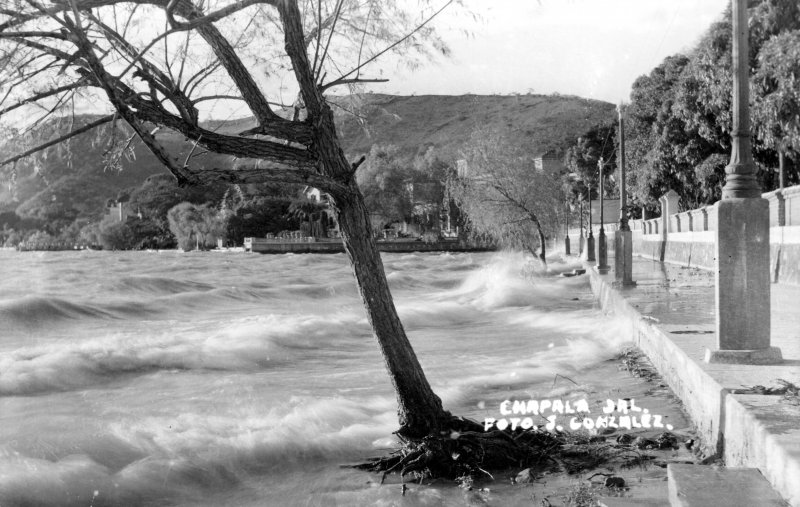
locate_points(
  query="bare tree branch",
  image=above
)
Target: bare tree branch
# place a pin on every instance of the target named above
(60, 139)
(354, 80)
(266, 173)
(211, 17)
(337, 12)
(395, 44)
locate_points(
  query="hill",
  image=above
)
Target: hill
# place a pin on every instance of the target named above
(79, 183)
(543, 122)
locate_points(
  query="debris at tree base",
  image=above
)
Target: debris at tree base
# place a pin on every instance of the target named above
(468, 454)
(524, 477)
(472, 455)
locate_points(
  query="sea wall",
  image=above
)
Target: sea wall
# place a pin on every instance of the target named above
(688, 238)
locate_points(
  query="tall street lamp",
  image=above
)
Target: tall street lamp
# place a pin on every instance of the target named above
(590, 237)
(580, 238)
(566, 230)
(742, 246)
(623, 237)
(602, 247)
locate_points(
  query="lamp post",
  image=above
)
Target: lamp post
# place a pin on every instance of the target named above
(580, 238)
(590, 237)
(742, 246)
(566, 230)
(623, 237)
(602, 247)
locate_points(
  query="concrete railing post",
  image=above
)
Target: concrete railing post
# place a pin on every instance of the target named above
(742, 247)
(669, 206)
(671, 199)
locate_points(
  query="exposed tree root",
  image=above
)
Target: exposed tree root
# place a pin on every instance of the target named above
(467, 453)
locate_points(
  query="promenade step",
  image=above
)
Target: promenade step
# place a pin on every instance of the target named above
(707, 486)
(632, 502)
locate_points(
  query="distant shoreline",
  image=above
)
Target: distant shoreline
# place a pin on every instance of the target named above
(263, 246)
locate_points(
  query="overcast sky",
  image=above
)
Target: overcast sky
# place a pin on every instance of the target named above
(589, 48)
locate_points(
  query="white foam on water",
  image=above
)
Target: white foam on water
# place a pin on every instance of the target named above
(276, 372)
(246, 344)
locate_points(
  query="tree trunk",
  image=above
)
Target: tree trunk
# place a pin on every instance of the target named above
(542, 255)
(420, 411)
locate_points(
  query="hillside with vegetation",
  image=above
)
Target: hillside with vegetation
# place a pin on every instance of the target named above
(69, 186)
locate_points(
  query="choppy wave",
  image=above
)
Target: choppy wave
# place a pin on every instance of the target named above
(193, 379)
(37, 311)
(158, 285)
(194, 453)
(246, 345)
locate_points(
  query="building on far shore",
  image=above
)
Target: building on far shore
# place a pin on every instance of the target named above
(120, 211)
(550, 162)
(323, 198)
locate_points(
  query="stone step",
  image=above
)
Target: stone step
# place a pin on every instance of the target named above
(632, 502)
(704, 486)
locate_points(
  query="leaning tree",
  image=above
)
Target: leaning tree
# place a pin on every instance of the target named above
(504, 195)
(156, 64)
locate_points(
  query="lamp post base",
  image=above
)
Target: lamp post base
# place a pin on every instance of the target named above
(771, 355)
(742, 279)
(623, 258)
(602, 253)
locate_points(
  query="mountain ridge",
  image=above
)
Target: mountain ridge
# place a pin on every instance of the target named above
(413, 123)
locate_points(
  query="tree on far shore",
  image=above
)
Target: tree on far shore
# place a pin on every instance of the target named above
(195, 225)
(504, 196)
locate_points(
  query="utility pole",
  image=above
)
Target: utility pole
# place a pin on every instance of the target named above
(742, 247)
(602, 247)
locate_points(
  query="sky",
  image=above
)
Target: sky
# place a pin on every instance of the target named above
(589, 48)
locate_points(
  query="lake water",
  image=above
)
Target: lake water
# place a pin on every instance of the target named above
(168, 378)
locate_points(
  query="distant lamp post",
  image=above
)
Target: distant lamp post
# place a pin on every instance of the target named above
(602, 247)
(623, 237)
(742, 246)
(580, 238)
(566, 231)
(590, 237)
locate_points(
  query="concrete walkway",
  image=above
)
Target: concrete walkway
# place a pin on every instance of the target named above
(672, 314)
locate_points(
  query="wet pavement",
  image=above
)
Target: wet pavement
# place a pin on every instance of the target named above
(681, 301)
(730, 404)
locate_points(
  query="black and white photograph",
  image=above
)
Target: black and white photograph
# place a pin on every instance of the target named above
(402, 253)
